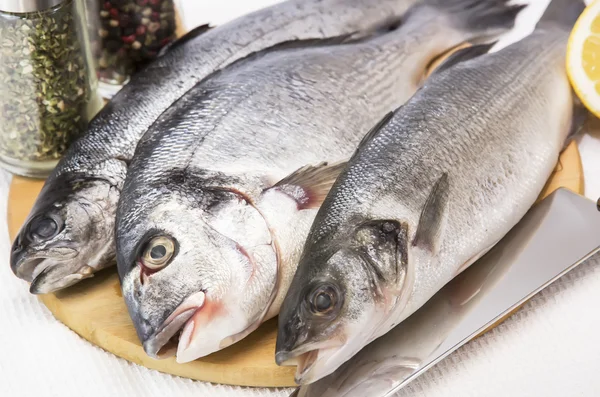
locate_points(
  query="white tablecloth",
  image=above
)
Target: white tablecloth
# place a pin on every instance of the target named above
(549, 348)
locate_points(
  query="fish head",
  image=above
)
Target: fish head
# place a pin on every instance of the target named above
(68, 235)
(343, 291)
(196, 274)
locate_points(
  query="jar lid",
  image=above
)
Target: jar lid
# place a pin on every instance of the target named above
(22, 6)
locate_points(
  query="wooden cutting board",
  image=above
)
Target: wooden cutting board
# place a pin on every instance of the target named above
(95, 310)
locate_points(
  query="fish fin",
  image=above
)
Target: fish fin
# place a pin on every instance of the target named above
(476, 18)
(230, 340)
(315, 42)
(298, 44)
(310, 185)
(491, 16)
(563, 13)
(431, 223)
(462, 55)
(383, 246)
(192, 34)
(578, 120)
(373, 131)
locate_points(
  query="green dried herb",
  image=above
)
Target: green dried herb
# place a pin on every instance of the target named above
(45, 86)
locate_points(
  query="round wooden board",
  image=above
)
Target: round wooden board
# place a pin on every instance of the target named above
(95, 310)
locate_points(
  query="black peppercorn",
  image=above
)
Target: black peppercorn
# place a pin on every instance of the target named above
(131, 33)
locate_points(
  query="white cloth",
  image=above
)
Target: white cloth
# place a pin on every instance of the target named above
(549, 348)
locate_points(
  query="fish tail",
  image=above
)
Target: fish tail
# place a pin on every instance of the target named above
(562, 13)
(477, 18)
(447, 25)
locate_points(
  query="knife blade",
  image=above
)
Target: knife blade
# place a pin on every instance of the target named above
(554, 237)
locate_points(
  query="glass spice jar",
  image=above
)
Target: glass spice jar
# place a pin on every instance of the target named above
(127, 35)
(47, 82)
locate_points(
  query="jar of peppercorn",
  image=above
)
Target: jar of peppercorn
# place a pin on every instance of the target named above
(47, 82)
(126, 35)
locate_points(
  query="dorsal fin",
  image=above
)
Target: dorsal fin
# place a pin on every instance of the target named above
(197, 31)
(297, 44)
(463, 55)
(373, 131)
(357, 36)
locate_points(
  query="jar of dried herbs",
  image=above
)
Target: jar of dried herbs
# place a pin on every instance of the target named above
(126, 35)
(47, 82)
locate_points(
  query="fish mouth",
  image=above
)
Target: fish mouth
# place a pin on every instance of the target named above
(49, 276)
(163, 342)
(306, 360)
(28, 267)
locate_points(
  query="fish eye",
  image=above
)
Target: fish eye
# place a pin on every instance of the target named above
(323, 300)
(158, 252)
(44, 228)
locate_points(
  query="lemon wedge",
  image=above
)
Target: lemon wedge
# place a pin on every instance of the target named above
(583, 58)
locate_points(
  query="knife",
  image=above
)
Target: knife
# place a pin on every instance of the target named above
(554, 237)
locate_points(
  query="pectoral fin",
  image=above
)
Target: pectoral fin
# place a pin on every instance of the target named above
(578, 120)
(309, 185)
(432, 220)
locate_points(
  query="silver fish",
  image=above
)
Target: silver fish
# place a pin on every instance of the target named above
(223, 189)
(428, 193)
(69, 234)
(529, 258)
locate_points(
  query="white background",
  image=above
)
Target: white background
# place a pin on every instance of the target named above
(549, 348)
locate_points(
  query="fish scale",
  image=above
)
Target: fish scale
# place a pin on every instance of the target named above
(230, 139)
(452, 146)
(223, 99)
(487, 133)
(300, 19)
(99, 159)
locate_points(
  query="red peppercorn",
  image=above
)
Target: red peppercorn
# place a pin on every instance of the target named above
(142, 2)
(114, 12)
(140, 30)
(155, 16)
(154, 2)
(107, 5)
(128, 39)
(165, 41)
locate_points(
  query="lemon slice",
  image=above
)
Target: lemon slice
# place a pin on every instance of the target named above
(583, 57)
